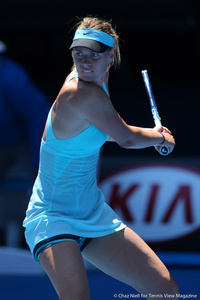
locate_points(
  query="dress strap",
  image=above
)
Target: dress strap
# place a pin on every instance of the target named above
(49, 130)
(105, 88)
(72, 75)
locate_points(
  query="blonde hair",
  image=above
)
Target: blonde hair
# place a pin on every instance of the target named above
(105, 26)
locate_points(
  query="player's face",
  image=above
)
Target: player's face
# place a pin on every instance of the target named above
(91, 66)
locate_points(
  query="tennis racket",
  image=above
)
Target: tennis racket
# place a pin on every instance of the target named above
(163, 150)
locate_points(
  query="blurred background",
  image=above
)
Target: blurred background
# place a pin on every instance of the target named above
(160, 36)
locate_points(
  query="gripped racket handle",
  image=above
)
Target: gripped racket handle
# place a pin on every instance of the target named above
(163, 150)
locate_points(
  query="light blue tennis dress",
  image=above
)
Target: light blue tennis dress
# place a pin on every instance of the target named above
(65, 197)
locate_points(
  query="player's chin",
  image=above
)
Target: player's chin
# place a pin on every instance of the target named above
(87, 75)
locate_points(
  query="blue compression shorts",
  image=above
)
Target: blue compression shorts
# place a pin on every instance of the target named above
(41, 246)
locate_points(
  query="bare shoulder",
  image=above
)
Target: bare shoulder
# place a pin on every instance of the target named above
(67, 119)
(83, 94)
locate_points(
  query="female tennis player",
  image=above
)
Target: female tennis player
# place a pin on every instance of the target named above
(67, 216)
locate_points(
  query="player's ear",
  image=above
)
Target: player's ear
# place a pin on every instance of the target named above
(112, 55)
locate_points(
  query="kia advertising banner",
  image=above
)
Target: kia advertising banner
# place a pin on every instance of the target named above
(160, 202)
